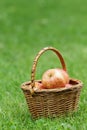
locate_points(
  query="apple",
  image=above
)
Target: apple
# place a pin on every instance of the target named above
(68, 85)
(65, 74)
(38, 86)
(55, 78)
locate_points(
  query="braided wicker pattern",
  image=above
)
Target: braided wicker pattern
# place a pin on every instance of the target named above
(51, 102)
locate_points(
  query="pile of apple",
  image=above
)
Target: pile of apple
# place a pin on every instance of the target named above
(53, 78)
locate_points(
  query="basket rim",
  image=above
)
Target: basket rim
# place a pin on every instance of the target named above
(79, 84)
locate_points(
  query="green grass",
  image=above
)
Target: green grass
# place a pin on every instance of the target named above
(25, 28)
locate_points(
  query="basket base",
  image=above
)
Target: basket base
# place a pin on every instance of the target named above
(53, 103)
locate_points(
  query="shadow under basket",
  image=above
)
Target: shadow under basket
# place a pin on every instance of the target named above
(52, 102)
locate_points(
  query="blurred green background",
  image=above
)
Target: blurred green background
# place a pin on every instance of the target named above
(25, 28)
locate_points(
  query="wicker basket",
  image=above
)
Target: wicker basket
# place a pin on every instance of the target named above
(51, 102)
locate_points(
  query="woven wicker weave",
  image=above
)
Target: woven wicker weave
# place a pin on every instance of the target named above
(51, 102)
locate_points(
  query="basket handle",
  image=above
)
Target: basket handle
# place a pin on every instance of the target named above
(36, 60)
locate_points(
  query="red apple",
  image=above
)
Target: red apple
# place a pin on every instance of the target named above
(65, 74)
(55, 78)
(38, 86)
(68, 85)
